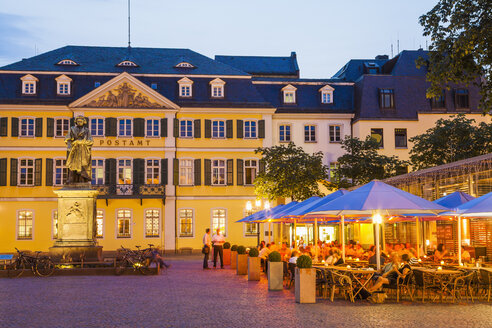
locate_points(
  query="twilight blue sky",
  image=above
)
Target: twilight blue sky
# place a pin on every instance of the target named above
(324, 33)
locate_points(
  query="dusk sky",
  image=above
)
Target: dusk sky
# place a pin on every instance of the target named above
(324, 34)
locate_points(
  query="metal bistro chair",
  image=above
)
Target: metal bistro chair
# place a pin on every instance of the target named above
(321, 283)
(402, 285)
(486, 283)
(292, 273)
(462, 286)
(424, 282)
(342, 282)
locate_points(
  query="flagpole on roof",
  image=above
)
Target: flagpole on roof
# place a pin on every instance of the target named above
(129, 24)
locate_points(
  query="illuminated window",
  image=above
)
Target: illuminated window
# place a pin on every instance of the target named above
(218, 172)
(24, 224)
(152, 223)
(186, 129)
(125, 127)
(332, 171)
(335, 133)
(152, 128)
(186, 223)
(97, 127)
(55, 224)
(218, 129)
(60, 172)
(377, 134)
(289, 94)
(219, 221)
(309, 133)
(284, 133)
(97, 171)
(125, 171)
(123, 218)
(62, 125)
(250, 131)
(250, 229)
(99, 224)
(250, 170)
(26, 172)
(186, 172)
(152, 171)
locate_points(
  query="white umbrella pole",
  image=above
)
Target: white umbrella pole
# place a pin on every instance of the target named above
(295, 233)
(281, 233)
(459, 240)
(343, 238)
(378, 250)
(417, 230)
(316, 240)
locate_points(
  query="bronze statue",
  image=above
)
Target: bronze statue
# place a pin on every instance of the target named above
(79, 143)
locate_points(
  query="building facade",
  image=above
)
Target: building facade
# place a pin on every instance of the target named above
(175, 135)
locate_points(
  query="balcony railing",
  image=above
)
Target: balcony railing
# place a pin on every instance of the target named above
(135, 191)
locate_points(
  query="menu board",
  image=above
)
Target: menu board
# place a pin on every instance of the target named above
(445, 236)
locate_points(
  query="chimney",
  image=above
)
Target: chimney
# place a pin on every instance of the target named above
(382, 57)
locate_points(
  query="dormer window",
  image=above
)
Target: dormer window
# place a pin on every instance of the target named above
(326, 94)
(184, 65)
(217, 88)
(63, 83)
(289, 92)
(127, 63)
(67, 62)
(185, 87)
(371, 68)
(29, 84)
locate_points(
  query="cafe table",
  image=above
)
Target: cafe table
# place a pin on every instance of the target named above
(444, 277)
(360, 277)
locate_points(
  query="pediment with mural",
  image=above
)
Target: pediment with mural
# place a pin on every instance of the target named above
(124, 96)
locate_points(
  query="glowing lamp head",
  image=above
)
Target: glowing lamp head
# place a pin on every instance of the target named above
(249, 207)
(267, 205)
(427, 242)
(442, 262)
(258, 203)
(377, 218)
(439, 268)
(348, 266)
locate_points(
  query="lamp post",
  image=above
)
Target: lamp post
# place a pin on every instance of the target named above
(377, 220)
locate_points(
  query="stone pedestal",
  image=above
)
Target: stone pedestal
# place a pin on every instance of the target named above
(77, 223)
(233, 260)
(227, 256)
(305, 285)
(254, 268)
(242, 264)
(275, 275)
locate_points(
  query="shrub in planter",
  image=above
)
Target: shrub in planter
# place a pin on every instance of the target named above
(253, 252)
(305, 280)
(226, 245)
(274, 257)
(241, 250)
(242, 261)
(304, 262)
(234, 248)
(275, 271)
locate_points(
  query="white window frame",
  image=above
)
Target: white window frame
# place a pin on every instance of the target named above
(63, 80)
(131, 126)
(185, 82)
(217, 83)
(245, 234)
(159, 169)
(315, 133)
(103, 125)
(329, 133)
(33, 126)
(17, 224)
(289, 89)
(158, 127)
(256, 129)
(19, 171)
(212, 171)
(184, 65)
(54, 171)
(159, 224)
(67, 62)
(127, 63)
(327, 90)
(53, 212)
(192, 128)
(103, 168)
(64, 133)
(103, 222)
(212, 127)
(279, 135)
(130, 224)
(118, 169)
(244, 169)
(214, 230)
(28, 79)
(192, 223)
(192, 170)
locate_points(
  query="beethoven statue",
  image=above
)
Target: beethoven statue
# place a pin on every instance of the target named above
(79, 143)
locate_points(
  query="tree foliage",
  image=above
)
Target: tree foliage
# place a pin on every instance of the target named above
(451, 140)
(362, 163)
(461, 35)
(290, 172)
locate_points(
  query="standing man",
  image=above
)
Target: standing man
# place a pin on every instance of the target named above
(218, 240)
(206, 248)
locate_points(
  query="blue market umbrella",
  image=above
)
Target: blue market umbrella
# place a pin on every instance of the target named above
(287, 211)
(454, 200)
(306, 207)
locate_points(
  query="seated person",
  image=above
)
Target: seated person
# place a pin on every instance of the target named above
(264, 252)
(349, 250)
(465, 255)
(373, 259)
(330, 257)
(440, 252)
(337, 260)
(391, 277)
(359, 251)
(293, 258)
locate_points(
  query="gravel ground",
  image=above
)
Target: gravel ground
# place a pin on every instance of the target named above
(187, 296)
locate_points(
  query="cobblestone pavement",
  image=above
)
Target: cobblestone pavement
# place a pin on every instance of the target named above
(187, 296)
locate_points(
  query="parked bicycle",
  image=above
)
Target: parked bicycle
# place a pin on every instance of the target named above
(137, 260)
(43, 266)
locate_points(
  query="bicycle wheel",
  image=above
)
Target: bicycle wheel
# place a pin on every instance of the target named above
(45, 267)
(120, 267)
(145, 268)
(16, 268)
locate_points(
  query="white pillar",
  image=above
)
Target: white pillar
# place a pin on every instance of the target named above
(459, 240)
(378, 250)
(342, 233)
(316, 239)
(417, 232)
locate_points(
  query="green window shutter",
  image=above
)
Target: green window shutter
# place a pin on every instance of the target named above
(262, 166)
(138, 171)
(175, 171)
(240, 172)
(38, 171)
(230, 172)
(49, 171)
(176, 128)
(261, 129)
(229, 133)
(50, 127)
(15, 128)
(239, 131)
(139, 127)
(110, 167)
(39, 127)
(164, 179)
(3, 171)
(208, 129)
(4, 122)
(207, 167)
(72, 121)
(13, 171)
(110, 125)
(197, 129)
(197, 170)
(163, 127)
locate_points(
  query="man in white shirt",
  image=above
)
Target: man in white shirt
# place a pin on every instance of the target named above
(206, 247)
(218, 240)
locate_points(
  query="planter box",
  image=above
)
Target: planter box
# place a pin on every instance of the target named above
(275, 275)
(254, 268)
(242, 264)
(233, 260)
(227, 256)
(305, 285)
